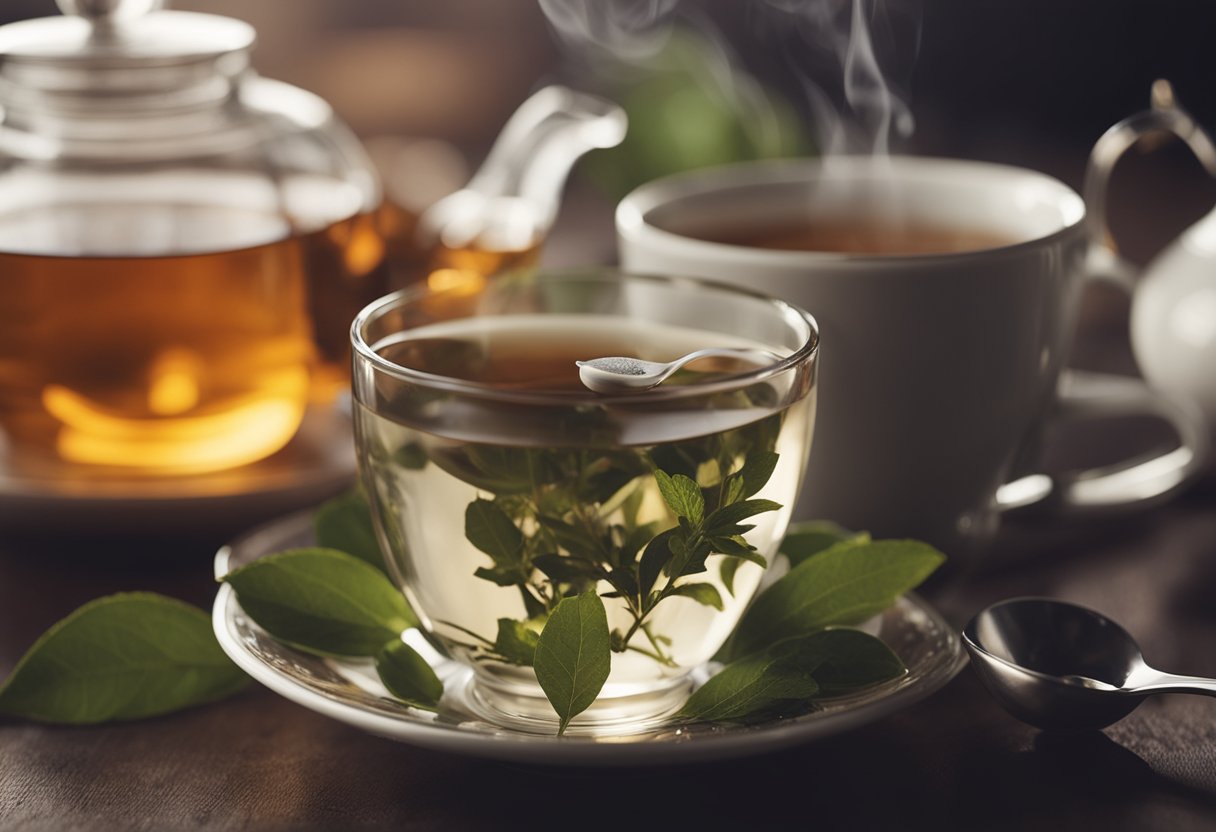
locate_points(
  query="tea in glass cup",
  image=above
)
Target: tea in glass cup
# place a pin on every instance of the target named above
(500, 485)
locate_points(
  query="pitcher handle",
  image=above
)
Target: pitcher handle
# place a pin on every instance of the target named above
(1164, 116)
(1144, 480)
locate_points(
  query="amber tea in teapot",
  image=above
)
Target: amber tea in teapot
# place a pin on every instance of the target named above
(183, 362)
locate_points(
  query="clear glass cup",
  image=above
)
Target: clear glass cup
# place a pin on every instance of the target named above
(499, 484)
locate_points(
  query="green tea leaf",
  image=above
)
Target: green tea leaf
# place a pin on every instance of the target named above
(635, 540)
(407, 675)
(737, 547)
(573, 655)
(489, 528)
(737, 530)
(757, 469)
(813, 536)
(516, 642)
(494, 469)
(124, 656)
(842, 660)
(501, 575)
(411, 456)
(573, 539)
(844, 584)
(657, 555)
(345, 523)
(827, 663)
(730, 515)
(734, 491)
(322, 600)
(681, 494)
(747, 687)
(726, 571)
(561, 569)
(608, 475)
(702, 593)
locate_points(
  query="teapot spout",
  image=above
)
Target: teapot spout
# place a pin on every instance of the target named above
(513, 199)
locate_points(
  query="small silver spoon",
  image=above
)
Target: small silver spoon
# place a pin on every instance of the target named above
(618, 374)
(1062, 666)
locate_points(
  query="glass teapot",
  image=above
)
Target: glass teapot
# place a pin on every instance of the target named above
(182, 243)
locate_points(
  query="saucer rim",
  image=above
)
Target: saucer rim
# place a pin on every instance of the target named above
(317, 463)
(499, 744)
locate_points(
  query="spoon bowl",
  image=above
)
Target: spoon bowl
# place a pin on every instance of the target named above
(616, 374)
(1062, 666)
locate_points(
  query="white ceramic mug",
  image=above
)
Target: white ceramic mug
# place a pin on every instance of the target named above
(940, 372)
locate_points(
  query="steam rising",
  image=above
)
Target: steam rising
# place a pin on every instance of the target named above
(628, 30)
(854, 106)
(869, 111)
(623, 37)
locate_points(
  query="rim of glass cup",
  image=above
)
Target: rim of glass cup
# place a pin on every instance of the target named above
(786, 312)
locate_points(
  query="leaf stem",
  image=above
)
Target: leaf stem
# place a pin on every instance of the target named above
(658, 657)
(466, 631)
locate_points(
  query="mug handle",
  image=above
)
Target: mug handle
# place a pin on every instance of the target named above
(1147, 479)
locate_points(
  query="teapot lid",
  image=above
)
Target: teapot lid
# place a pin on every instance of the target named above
(121, 34)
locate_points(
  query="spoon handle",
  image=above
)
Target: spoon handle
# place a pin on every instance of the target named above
(1171, 683)
(724, 352)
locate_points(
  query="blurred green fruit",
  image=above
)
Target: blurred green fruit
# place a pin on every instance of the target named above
(685, 113)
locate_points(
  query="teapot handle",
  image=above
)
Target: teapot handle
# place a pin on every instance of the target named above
(1163, 116)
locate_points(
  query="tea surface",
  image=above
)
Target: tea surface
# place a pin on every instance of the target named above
(862, 238)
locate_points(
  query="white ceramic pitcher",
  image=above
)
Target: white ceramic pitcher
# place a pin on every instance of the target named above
(1173, 314)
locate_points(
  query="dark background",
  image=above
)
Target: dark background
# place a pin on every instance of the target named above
(1014, 80)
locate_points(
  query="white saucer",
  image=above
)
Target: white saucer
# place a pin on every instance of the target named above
(316, 464)
(348, 690)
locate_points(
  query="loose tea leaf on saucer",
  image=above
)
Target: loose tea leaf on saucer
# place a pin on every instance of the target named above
(120, 657)
(407, 675)
(322, 600)
(752, 685)
(345, 523)
(842, 585)
(841, 659)
(792, 672)
(573, 655)
(811, 537)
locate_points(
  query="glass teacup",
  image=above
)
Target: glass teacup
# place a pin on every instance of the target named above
(500, 485)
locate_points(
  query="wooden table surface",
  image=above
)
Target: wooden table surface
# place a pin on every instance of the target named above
(954, 760)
